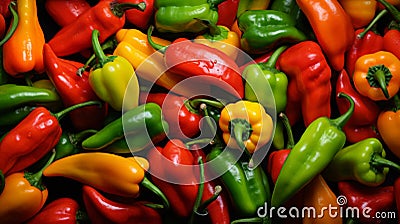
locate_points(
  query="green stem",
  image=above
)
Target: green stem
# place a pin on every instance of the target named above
(190, 108)
(341, 121)
(213, 28)
(271, 62)
(198, 141)
(35, 179)
(76, 138)
(199, 191)
(98, 51)
(154, 206)
(14, 24)
(62, 113)
(153, 188)
(197, 102)
(372, 23)
(208, 118)
(248, 220)
(379, 161)
(396, 100)
(395, 13)
(379, 76)
(154, 45)
(202, 208)
(286, 123)
(28, 79)
(119, 8)
(241, 130)
(2, 182)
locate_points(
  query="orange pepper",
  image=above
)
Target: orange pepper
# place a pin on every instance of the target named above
(388, 124)
(361, 12)
(23, 51)
(377, 75)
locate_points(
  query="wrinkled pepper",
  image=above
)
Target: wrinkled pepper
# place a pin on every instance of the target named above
(332, 27)
(377, 75)
(106, 16)
(73, 89)
(101, 209)
(66, 12)
(391, 41)
(140, 19)
(317, 146)
(309, 88)
(264, 30)
(108, 87)
(139, 126)
(361, 12)
(387, 123)
(245, 5)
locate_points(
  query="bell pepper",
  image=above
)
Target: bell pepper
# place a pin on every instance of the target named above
(24, 194)
(309, 88)
(361, 12)
(363, 161)
(139, 126)
(362, 123)
(66, 12)
(202, 64)
(32, 138)
(172, 171)
(61, 210)
(264, 30)
(227, 11)
(23, 52)
(386, 123)
(246, 126)
(319, 143)
(245, 5)
(368, 199)
(140, 19)
(104, 210)
(73, 89)
(106, 16)
(180, 16)
(332, 27)
(391, 41)
(110, 88)
(4, 10)
(377, 75)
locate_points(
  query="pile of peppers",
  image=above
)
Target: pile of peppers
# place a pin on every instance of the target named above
(200, 111)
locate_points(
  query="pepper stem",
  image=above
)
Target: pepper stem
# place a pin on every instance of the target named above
(271, 62)
(285, 121)
(62, 113)
(198, 141)
(35, 179)
(379, 161)
(196, 102)
(379, 76)
(213, 28)
(372, 23)
(153, 44)
(199, 191)
(206, 203)
(396, 100)
(395, 13)
(341, 121)
(153, 188)
(212, 125)
(2, 182)
(14, 24)
(240, 131)
(119, 9)
(101, 57)
(80, 136)
(248, 220)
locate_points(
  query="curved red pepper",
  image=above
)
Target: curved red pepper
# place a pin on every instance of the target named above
(4, 10)
(103, 210)
(227, 12)
(74, 89)
(138, 18)
(67, 11)
(391, 42)
(362, 122)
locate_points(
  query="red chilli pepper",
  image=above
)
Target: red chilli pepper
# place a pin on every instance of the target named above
(103, 210)
(106, 16)
(67, 11)
(74, 89)
(140, 19)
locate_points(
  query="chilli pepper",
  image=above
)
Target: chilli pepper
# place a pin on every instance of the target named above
(227, 11)
(363, 161)
(263, 30)
(2, 26)
(362, 123)
(104, 210)
(332, 27)
(317, 146)
(13, 116)
(106, 16)
(73, 89)
(309, 88)
(32, 138)
(189, 59)
(140, 19)
(377, 75)
(387, 122)
(108, 87)
(69, 142)
(245, 5)
(368, 200)
(61, 210)
(24, 194)
(106, 172)
(139, 126)
(391, 41)
(361, 12)
(23, 52)
(66, 12)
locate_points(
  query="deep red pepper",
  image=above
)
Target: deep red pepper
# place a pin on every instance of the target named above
(140, 19)
(62, 210)
(227, 12)
(363, 121)
(179, 183)
(378, 199)
(397, 194)
(74, 89)
(67, 11)
(371, 42)
(4, 10)
(2, 26)
(391, 42)
(106, 16)
(103, 210)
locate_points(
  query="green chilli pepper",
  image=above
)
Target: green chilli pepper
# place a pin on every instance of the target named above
(363, 161)
(316, 148)
(69, 142)
(142, 125)
(264, 30)
(14, 116)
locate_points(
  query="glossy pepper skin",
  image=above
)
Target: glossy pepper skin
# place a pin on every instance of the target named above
(13, 116)
(140, 19)
(391, 41)
(377, 75)
(142, 125)
(263, 30)
(332, 27)
(246, 5)
(73, 89)
(108, 87)
(23, 52)
(319, 143)
(362, 123)
(361, 12)
(227, 12)
(101, 209)
(66, 12)
(387, 121)
(309, 88)
(106, 16)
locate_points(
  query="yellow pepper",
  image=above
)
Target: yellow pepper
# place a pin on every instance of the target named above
(361, 12)
(377, 75)
(245, 125)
